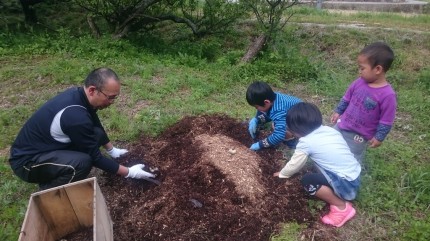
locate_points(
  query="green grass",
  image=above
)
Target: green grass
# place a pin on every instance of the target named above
(394, 21)
(289, 232)
(168, 77)
(13, 202)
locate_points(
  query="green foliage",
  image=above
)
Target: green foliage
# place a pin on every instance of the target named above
(308, 11)
(62, 43)
(7, 20)
(272, 15)
(218, 15)
(415, 99)
(424, 78)
(403, 185)
(230, 58)
(316, 206)
(274, 66)
(415, 181)
(398, 21)
(14, 196)
(195, 54)
(419, 230)
(202, 17)
(290, 232)
(8, 120)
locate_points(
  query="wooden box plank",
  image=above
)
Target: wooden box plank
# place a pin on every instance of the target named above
(34, 226)
(81, 199)
(58, 212)
(103, 228)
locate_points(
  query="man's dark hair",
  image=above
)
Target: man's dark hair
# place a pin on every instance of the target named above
(303, 118)
(379, 53)
(98, 77)
(258, 92)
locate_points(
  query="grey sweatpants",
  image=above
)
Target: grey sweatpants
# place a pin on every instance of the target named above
(357, 144)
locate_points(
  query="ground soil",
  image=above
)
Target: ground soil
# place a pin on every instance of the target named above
(212, 188)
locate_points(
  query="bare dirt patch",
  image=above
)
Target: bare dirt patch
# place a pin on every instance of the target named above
(207, 192)
(5, 151)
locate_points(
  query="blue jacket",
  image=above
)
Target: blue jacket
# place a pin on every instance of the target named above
(278, 114)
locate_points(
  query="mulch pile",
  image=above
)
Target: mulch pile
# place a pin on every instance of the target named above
(212, 187)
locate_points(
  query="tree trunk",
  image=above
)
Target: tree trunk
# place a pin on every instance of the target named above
(94, 29)
(120, 33)
(254, 48)
(29, 13)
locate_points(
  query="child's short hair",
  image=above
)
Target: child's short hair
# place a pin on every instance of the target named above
(303, 118)
(379, 53)
(258, 92)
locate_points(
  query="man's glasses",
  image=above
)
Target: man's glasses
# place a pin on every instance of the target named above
(109, 97)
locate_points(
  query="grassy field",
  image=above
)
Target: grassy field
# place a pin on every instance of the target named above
(166, 78)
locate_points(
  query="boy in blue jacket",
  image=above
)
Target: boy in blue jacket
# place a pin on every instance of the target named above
(271, 107)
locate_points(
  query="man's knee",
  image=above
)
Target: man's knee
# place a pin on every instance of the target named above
(84, 165)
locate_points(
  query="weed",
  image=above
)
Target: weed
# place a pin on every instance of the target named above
(14, 195)
(290, 232)
(418, 230)
(316, 206)
(424, 79)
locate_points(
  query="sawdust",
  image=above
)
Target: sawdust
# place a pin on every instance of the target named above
(240, 166)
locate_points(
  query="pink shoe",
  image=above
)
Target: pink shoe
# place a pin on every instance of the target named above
(338, 217)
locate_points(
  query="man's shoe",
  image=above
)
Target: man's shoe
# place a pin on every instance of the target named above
(338, 217)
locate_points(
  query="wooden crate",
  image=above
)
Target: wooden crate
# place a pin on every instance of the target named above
(57, 212)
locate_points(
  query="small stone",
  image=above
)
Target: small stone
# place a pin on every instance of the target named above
(196, 203)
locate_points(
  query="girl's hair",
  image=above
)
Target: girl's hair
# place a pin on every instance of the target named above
(258, 92)
(303, 118)
(379, 53)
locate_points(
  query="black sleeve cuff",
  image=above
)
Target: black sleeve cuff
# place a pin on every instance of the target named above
(107, 165)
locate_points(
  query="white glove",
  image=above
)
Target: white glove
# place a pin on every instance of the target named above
(137, 172)
(115, 152)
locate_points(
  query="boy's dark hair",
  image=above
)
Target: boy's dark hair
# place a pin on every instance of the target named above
(303, 118)
(258, 92)
(379, 53)
(98, 77)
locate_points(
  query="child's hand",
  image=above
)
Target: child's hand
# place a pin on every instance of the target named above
(289, 136)
(276, 174)
(334, 117)
(252, 127)
(374, 143)
(255, 146)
